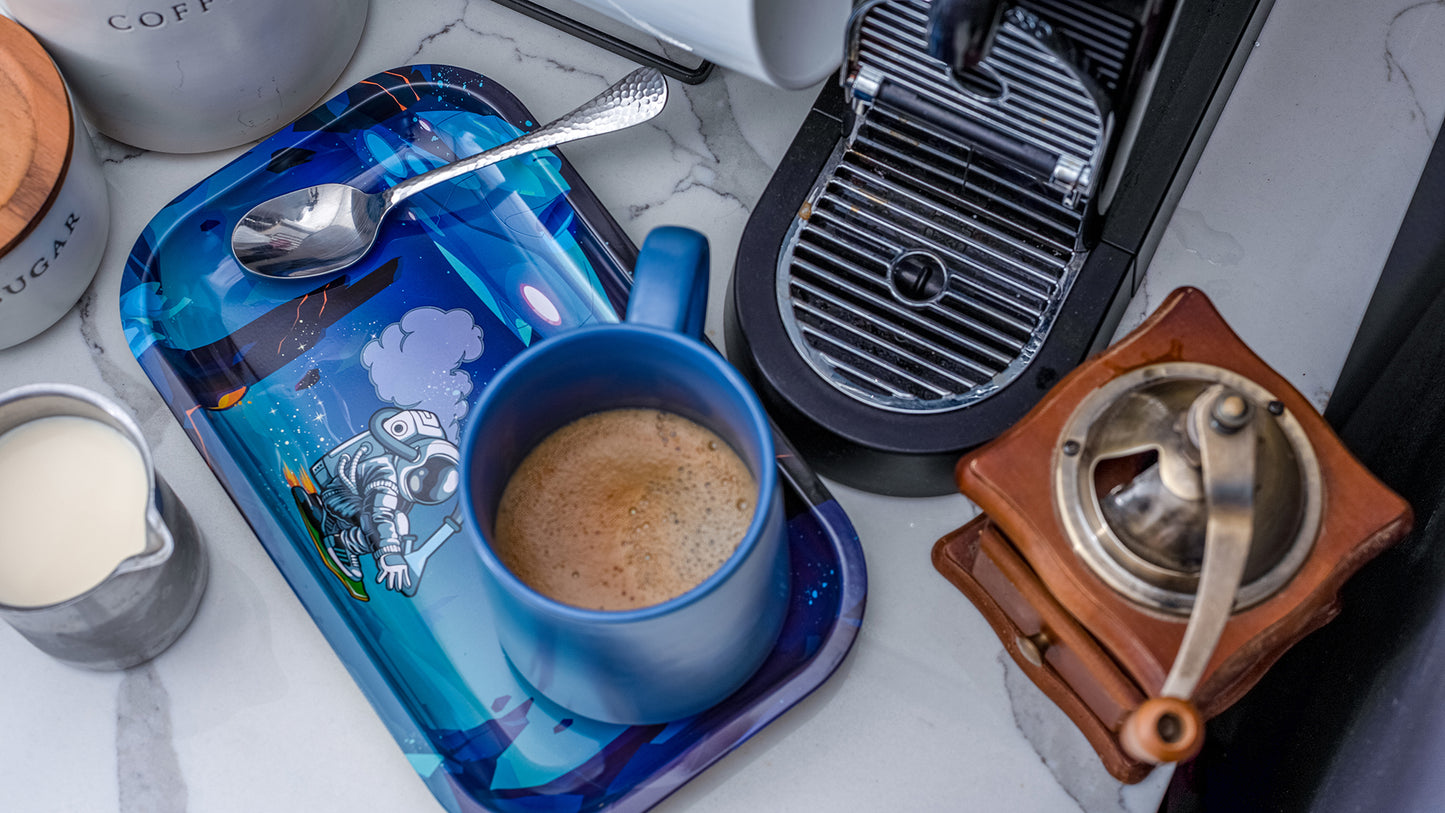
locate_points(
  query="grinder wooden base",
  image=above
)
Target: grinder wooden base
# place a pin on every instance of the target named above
(1094, 652)
(1049, 645)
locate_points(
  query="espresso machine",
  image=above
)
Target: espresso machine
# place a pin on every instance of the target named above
(964, 215)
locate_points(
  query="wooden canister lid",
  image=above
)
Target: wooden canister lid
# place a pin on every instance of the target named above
(35, 129)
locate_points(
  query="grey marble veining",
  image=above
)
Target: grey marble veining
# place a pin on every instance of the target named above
(715, 157)
(110, 151)
(120, 377)
(148, 772)
(1421, 21)
(1067, 754)
(460, 21)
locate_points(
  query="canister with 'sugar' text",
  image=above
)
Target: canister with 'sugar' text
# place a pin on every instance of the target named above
(54, 210)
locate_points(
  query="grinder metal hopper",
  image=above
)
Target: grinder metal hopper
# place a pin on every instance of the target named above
(1167, 522)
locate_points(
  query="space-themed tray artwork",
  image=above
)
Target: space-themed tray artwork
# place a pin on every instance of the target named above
(330, 412)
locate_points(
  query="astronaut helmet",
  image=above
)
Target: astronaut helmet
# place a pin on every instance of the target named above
(434, 476)
(427, 462)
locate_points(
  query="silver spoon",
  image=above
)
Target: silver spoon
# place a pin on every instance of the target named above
(327, 227)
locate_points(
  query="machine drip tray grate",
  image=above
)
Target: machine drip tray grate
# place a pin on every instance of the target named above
(919, 272)
(925, 268)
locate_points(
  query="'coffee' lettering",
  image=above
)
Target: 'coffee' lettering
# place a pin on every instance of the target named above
(157, 19)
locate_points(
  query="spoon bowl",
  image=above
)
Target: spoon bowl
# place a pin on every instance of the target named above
(309, 232)
(326, 228)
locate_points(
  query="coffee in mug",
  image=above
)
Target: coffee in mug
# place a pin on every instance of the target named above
(624, 508)
(692, 635)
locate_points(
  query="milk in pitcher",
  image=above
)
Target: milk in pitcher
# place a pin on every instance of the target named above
(73, 497)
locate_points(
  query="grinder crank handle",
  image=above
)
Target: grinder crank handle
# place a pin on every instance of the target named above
(1169, 728)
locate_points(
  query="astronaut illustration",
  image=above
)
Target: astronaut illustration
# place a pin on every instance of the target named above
(369, 485)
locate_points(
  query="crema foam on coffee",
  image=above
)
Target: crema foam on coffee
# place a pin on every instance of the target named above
(624, 509)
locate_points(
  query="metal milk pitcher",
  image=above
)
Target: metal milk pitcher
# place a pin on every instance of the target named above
(150, 597)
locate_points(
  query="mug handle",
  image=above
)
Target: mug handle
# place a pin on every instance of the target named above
(669, 282)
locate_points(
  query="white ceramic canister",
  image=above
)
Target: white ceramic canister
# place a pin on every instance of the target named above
(54, 208)
(788, 43)
(195, 75)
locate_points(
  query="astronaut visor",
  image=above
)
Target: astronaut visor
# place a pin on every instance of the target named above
(434, 481)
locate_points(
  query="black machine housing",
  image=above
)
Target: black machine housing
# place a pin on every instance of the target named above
(941, 315)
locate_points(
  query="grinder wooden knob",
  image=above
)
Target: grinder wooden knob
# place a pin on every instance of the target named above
(1162, 729)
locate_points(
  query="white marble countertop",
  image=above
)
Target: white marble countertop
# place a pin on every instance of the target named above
(1285, 224)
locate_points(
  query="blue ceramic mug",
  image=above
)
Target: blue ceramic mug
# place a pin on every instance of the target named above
(676, 658)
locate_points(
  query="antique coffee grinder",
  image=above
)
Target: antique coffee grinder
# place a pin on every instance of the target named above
(964, 215)
(1159, 529)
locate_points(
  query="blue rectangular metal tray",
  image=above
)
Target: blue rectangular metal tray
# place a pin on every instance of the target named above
(277, 384)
